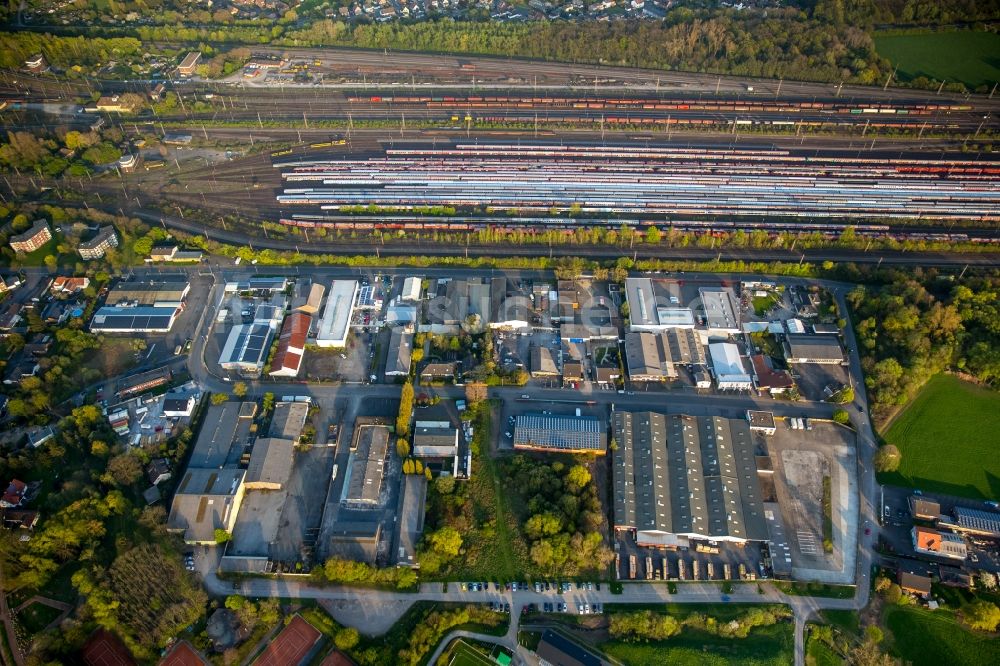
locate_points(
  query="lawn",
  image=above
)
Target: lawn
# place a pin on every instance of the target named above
(966, 56)
(844, 620)
(816, 590)
(463, 654)
(820, 654)
(935, 637)
(37, 616)
(765, 646)
(946, 436)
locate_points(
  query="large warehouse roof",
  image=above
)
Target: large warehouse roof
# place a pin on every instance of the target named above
(336, 320)
(720, 309)
(560, 433)
(647, 356)
(367, 465)
(270, 463)
(165, 291)
(814, 348)
(112, 319)
(685, 475)
(224, 425)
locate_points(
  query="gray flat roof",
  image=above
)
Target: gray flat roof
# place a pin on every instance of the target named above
(400, 350)
(222, 426)
(411, 520)
(435, 442)
(823, 347)
(686, 475)
(270, 461)
(288, 420)
(367, 464)
(203, 502)
(556, 432)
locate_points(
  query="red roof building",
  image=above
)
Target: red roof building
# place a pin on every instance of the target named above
(69, 285)
(291, 345)
(14, 494)
(769, 379)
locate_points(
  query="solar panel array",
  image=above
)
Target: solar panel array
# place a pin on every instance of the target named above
(567, 433)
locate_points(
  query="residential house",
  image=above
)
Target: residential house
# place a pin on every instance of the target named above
(14, 494)
(67, 286)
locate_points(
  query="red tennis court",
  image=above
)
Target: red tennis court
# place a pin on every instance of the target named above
(290, 646)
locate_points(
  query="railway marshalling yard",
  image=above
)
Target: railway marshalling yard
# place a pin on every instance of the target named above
(361, 140)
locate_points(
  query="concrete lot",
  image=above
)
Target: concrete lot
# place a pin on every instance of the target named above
(801, 459)
(812, 378)
(257, 523)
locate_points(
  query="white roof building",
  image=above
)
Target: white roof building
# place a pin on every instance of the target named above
(795, 326)
(647, 312)
(720, 311)
(411, 289)
(336, 320)
(730, 374)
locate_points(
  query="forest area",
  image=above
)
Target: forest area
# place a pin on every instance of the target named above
(913, 325)
(825, 40)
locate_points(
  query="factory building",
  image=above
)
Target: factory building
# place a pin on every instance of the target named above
(682, 477)
(560, 434)
(335, 323)
(730, 373)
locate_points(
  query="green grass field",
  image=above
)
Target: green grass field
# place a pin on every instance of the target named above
(463, 654)
(765, 646)
(965, 56)
(37, 616)
(820, 654)
(947, 436)
(935, 637)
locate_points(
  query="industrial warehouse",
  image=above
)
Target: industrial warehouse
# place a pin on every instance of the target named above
(684, 477)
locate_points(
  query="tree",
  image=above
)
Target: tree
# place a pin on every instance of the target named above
(653, 236)
(841, 416)
(643, 625)
(982, 615)
(124, 469)
(405, 409)
(843, 396)
(577, 478)
(51, 262)
(219, 398)
(445, 485)
(402, 447)
(268, 402)
(222, 536)
(447, 541)
(887, 458)
(240, 390)
(475, 392)
(346, 639)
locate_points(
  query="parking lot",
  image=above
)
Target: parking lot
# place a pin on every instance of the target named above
(703, 560)
(802, 460)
